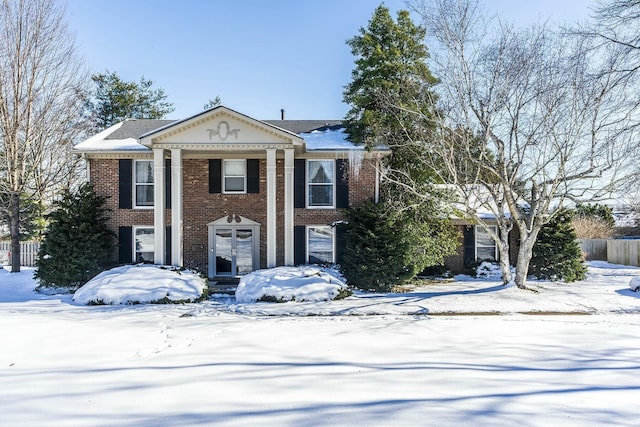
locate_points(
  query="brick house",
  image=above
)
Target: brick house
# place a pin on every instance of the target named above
(228, 194)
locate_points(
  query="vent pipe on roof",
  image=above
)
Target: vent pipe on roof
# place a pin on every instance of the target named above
(282, 114)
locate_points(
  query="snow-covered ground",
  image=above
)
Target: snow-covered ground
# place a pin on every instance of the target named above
(371, 359)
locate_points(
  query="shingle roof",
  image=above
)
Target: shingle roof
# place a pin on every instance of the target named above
(134, 128)
(306, 126)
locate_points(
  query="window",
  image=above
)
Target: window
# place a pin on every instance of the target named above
(144, 244)
(320, 181)
(320, 245)
(234, 176)
(143, 183)
(485, 245)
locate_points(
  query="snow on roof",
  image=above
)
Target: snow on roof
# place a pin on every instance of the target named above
(330, 139)
(103, 142)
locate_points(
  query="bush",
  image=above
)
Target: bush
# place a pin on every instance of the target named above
(77, 244)
(383, 248)
(593, 221)
(556, 253)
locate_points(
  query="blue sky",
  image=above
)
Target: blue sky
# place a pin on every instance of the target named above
(259, 56)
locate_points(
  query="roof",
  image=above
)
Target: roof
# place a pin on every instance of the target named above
(319, 135)
(306, 126)
(134, 128)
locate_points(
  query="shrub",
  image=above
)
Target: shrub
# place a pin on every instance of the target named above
(556, 254)
(383, 248)
(77, 244)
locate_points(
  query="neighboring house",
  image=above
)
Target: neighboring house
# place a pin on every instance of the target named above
(228, 194)
(476, 245)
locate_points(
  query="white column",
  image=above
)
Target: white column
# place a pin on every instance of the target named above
(176, 208)
(158, 205)
(271, 207)
(288, 205)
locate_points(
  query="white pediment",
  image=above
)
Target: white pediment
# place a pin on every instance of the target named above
(233, 220)
(220, 127)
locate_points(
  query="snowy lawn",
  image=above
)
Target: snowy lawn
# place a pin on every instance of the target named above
(221, 362)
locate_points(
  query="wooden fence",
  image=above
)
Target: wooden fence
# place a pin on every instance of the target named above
(615, 251)
(28, 253)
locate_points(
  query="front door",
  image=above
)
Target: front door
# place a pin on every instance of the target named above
(233, 248)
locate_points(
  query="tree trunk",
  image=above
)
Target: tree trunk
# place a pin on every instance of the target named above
(525, 252)
(14, 230)
(505, 262)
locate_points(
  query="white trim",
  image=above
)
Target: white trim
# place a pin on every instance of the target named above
(134, 184)
(333, 241)
(133, 241)
(159, 205)
(475, 241)
(233, 223)
(307, 184)
(176, 209)
(224, 176)
(289, 176)
(271, 208)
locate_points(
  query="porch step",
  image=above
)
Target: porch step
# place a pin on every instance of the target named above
(223, 286)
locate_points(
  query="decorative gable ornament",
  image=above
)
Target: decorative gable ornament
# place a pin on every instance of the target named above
(222, 131)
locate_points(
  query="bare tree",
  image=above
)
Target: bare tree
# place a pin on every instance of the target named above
(41, 93)
(534, 120)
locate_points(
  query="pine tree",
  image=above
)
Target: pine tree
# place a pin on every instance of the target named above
(77, 244)
(393, 104)
(556, 253)
(115, 100)
(383, 248)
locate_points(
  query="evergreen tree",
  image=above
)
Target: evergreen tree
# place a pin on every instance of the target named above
(556, 253)
(78, 244)
(393, 104)
(115, 100)
(383, 248)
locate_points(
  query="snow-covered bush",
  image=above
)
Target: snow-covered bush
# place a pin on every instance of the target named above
(284, 284)
(143, 283)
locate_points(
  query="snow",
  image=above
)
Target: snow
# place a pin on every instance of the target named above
(330, 139)
(143, 283)
(305, 283)
(427, 357)
(99, 142)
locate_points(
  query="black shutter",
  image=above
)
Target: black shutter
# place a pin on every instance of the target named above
(299, 245)
(469, 245)
(167, 245)
(125, 245)
(253, 176)
(340, 242)
(342, 184)
(167, 183)
(299, 178)
(125, 184)
(215, 176)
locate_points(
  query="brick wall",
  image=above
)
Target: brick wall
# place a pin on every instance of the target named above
(201, 208)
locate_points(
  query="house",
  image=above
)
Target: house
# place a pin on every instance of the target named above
(227, 194)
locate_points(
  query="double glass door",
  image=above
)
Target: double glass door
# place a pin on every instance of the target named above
(233, 251)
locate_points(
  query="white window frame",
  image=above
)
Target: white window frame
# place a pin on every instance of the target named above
(136, 228)
(225, 176)
(136, 184)
(309, 184)
(333, 241)
(494, 245)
